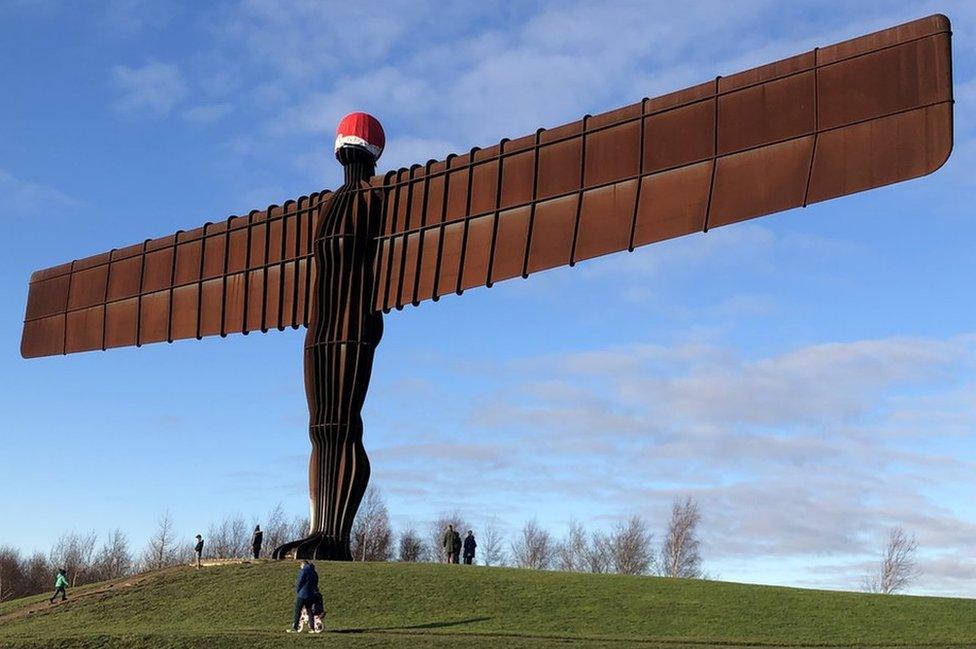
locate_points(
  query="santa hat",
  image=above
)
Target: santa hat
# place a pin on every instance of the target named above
(361, 130)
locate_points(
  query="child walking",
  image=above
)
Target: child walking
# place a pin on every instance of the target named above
(60, 584)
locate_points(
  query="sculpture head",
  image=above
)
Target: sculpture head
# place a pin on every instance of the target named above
(359, 135)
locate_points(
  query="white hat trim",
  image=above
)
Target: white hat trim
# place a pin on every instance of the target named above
(355, 140)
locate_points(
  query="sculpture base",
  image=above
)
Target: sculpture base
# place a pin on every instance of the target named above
(315, 546)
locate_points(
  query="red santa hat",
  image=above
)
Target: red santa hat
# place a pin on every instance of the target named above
(361, 130)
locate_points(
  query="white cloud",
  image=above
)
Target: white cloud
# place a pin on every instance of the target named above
(207, 113)
(20, 197)
(809, 455)
(152, 90)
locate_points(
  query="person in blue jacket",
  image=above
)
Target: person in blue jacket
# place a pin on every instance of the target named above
(306, 588)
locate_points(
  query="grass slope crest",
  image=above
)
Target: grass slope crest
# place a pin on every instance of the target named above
(424, 605)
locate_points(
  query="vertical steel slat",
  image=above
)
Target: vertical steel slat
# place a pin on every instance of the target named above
(142, 279)
(108, 278)
(711, 184)
(247, 271)
(67, 306)
(535, 190)
(579, 194)
(295, 254)
(498, 203)
(434, 295)
(172, 282)
(420, 234)
(816, 121)
(406, 237)
(281, 262)
(640, 176)
(223, 282)
(203, 254)
(310, 253)
(467, 221)
(392, 242)
(264, 269)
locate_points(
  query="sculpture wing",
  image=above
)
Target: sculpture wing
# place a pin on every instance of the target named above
(841, 119)
(244, 274)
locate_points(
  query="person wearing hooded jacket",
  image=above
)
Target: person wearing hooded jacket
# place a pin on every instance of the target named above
(60, 584)
(306, 589)
(469, 545)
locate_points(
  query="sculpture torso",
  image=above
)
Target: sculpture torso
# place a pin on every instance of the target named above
(343, 332)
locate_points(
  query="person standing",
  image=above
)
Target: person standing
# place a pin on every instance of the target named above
(306, 589)
(457, 546)
(448, 544)
(256, 541)
(198, 549)
(469, 545)
(60, 584)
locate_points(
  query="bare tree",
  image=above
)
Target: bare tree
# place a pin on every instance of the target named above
(75, 553)
(491, 544)
(533, 548)
(37, 573)
(630, 546)
(161, 550)
(372, 537)
(898, 565)
(681, 550)
(571, 552)
(229, 539)
(114, 559)
(300, 527)
(276, 530)
(438, 527)
(11, 574)
(599, 554)
(412, 547)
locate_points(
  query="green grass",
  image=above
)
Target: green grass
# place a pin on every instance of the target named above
(419, 605)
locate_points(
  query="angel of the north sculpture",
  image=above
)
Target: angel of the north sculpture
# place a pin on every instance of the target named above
(840, 119)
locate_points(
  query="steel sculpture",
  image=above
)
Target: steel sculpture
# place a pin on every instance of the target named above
(841, 119)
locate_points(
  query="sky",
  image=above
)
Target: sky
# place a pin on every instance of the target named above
(807, 377)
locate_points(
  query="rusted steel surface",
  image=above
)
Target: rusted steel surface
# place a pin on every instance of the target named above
(247, 273)
(856, 115)
(860, 114)
(343, 332)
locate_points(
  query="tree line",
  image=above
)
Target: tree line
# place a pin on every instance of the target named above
(628, 547)
(87, 561)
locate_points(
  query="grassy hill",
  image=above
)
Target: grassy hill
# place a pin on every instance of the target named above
(418, 605)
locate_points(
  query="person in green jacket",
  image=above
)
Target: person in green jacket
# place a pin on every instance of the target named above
(60, 584)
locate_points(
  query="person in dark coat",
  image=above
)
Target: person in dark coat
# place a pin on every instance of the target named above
(469, 545)
(306, 588)
(457, 546)
(448, 544)
(198, 549)
(256, 541)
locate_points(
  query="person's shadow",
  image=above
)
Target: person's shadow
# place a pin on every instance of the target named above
(413, 627)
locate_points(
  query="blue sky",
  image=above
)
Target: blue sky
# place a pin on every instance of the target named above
(808, 377)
